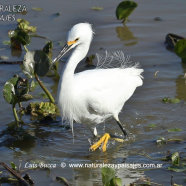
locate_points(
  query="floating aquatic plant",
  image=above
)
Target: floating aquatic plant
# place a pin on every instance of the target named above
(16, 91)
(42, 110)
(124, 9)
(20, 36)
(97, 8)
(180, 49)
(37, 63)
(170, 100)
(109, 177)
(177, 164)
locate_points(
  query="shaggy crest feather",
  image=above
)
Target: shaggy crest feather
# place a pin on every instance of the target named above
(116, 59)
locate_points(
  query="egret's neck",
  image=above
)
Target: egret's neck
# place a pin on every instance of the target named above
(77, 55)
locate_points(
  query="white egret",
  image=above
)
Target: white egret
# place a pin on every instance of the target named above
(92, 96)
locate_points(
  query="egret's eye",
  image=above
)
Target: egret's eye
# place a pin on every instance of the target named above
(77, 39)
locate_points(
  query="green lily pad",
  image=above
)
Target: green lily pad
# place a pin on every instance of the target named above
(124, 9)
(175, 130)
(180, 49)
(36, 62)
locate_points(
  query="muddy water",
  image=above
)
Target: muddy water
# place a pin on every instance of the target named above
(143, 39)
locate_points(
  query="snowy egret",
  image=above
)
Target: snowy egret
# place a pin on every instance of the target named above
(92, 96)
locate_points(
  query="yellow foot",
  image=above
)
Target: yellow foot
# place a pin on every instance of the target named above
(103, 140)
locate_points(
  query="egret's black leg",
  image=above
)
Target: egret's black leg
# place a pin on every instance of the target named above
(121, 127)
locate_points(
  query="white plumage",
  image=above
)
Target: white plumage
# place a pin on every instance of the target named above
(92, 96)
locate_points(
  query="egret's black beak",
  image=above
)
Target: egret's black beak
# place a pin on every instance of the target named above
(65, 49)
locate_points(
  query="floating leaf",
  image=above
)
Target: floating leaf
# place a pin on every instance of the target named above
(107, 175)
(37, 9)
(177, 168)
(13, 165)
(6, 42)
(175, 100)
(170, 100)
(36, 62)
(161, 141)
(124, 9)
(152, 125)
(180, 49)
(116, 182)
(97, 8)
(175, 130)
(175, 159)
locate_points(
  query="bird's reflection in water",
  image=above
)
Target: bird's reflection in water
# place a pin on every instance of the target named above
(124, 34)
(181, 84)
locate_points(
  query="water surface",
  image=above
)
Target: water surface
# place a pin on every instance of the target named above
(143, 39)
